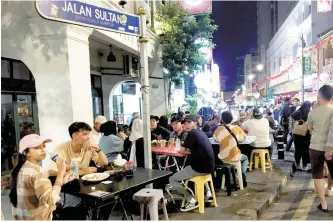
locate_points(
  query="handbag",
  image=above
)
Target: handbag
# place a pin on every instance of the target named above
(300, 129)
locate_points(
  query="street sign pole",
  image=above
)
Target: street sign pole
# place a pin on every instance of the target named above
(143, 40)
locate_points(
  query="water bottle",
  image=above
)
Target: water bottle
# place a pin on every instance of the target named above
(74, 168)
(177, 144)
(54, 157)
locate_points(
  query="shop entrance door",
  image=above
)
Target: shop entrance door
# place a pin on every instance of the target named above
(19, 117)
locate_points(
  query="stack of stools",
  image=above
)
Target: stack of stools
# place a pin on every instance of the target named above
(224, 172)
(199, 188)
(262, 153)
(150, 198)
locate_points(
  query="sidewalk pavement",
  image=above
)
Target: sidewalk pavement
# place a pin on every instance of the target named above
(256, 198)
(245, 204)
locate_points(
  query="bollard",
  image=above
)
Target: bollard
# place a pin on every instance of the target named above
(280, 144)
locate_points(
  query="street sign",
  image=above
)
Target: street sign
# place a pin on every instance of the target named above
(307, 65)
(80, 13)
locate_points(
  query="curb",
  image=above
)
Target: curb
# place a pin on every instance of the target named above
(254, 214)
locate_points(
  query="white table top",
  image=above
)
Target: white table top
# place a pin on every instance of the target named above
(248, 140)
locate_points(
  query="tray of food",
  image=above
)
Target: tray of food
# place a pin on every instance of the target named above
(95, 177)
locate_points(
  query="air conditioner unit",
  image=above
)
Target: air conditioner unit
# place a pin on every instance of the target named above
(130, 66)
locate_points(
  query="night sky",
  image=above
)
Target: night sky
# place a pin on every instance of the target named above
(237, 31)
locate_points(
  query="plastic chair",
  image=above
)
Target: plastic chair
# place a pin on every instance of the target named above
(256, 153)
(151, 198)
(199, 182)
(238, 166)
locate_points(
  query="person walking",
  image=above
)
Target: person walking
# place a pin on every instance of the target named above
(302, 143)
(319, 124)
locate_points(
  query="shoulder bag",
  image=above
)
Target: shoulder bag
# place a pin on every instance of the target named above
(300, 128)
(232, 134)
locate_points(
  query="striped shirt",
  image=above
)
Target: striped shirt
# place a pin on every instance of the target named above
(35, 195)
(228, 145)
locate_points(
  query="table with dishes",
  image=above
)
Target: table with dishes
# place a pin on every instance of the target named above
(167, 151)
(103, 188)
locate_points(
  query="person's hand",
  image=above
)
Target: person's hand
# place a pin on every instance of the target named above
(67, 178)
(329, 153)
(122, 135)
(61, 165)
(92, 147)
(183, 150)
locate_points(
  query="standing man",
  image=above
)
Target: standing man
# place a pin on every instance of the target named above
(319, 125)
(201, 162)
(329, 160)
(95, 133)
(296, 105)
(284, 119)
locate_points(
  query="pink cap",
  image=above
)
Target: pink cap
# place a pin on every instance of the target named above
(32, 140)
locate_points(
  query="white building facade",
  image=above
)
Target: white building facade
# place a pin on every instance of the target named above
(63, 71)
(284, 54)
(285, 47)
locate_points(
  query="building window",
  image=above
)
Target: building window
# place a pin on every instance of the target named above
(5, 69)
(308, 39)
(20, 71)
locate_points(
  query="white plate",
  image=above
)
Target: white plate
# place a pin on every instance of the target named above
(95, 177)
(119, 162)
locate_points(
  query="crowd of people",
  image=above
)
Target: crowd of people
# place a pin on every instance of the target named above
(33, 196)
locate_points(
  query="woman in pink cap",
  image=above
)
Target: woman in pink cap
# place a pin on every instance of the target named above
(32, 195)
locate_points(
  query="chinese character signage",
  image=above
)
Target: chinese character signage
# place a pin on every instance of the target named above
(307, 65)
(324, 6)
(197, 6)
(80, 13)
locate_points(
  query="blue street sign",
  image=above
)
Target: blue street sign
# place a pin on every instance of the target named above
(80, 13)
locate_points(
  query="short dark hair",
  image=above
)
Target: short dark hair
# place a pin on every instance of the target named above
(176, 118)
(226, 117)
(187, 112)
(327, 92)
(77, 127)
(109, 128)
(126, 126)
(296, 100)
(287, 99)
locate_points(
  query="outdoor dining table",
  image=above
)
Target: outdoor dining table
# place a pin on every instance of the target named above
(216, 146)
(169, 152)
(98, 194)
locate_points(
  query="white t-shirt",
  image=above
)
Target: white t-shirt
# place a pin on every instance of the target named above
(95, 136)
(260, 129)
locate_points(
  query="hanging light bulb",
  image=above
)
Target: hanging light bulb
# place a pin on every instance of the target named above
(111, 57)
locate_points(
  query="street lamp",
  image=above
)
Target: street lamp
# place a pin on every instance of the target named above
(294, 33)
(260, 67)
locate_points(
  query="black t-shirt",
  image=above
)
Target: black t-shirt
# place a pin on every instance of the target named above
(202, 158)
(160, 132)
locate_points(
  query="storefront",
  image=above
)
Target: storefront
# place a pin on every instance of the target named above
(60, 66)
(19, 113)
